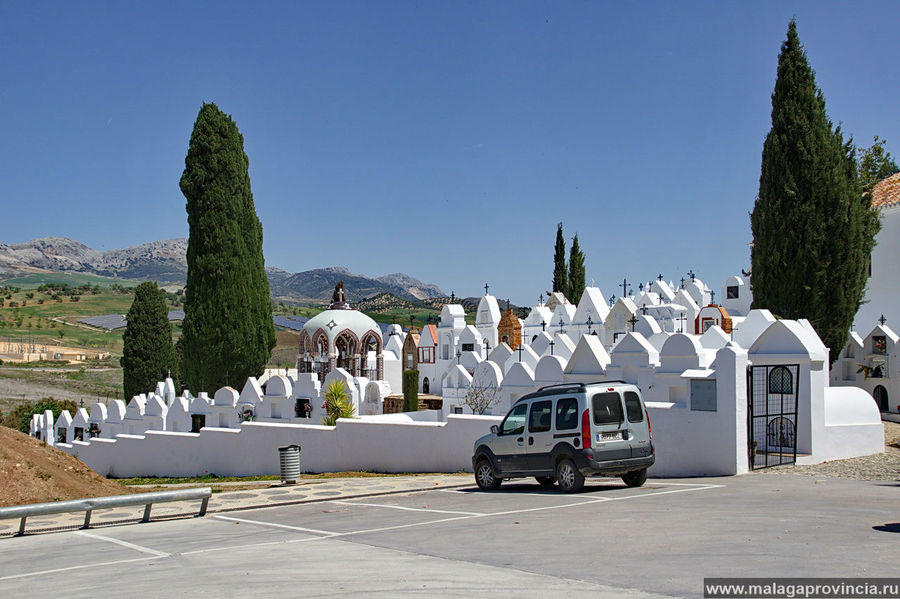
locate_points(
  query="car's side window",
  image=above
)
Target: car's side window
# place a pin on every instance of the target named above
(539, 420)
(633, 407)
(607, 408)
(566, 414)
(514, 423)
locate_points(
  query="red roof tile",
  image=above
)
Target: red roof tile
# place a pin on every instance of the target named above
(887, 191)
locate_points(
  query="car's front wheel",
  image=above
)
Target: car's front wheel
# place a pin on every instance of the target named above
(568, 477)
(635, 478)
(484, 476)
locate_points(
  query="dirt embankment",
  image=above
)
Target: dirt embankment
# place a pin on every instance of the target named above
(33, 472)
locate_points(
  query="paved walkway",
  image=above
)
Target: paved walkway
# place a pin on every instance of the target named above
(269, 494)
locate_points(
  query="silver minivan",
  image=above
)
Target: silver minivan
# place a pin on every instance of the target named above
(562, 433)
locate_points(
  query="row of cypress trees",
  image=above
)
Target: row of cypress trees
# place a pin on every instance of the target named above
(568, 278)
(228, 332)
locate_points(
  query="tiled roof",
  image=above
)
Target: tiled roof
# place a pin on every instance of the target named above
(887, 191)
(433, 330)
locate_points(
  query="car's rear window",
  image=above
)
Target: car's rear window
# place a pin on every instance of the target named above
(607, 408)
(633, 407)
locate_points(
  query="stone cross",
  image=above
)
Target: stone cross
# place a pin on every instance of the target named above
(633, 322)
(486, 288)
(552, 343)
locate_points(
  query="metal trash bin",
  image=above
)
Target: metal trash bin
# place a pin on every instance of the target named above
(289, 458)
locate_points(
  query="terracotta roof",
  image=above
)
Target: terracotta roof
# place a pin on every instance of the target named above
(887, 191)
(433, 330)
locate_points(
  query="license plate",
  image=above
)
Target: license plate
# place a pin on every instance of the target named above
(614, 436)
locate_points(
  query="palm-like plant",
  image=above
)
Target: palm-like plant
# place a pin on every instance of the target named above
(337, 403)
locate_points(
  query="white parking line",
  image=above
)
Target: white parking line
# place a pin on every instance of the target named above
(276, 525)
(408, 509)
(70, 568)
(122, 543)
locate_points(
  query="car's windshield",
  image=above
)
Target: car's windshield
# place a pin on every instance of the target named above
(514, 424)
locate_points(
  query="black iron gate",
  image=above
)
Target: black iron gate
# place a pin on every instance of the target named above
(772, 414)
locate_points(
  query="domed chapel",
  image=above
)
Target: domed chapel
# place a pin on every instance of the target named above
(341, 337)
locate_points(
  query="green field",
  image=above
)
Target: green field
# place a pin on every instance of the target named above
(75, 279)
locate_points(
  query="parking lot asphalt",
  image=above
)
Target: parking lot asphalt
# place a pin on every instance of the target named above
(609, 541)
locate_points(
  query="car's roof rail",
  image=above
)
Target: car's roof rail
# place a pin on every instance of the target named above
(553, 390)
(610, 381)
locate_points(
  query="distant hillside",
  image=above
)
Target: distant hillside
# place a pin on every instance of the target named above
(164, 262)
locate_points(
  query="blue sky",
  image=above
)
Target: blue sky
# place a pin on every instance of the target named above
(440, 139)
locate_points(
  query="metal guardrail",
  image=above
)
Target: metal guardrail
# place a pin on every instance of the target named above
(100, 503)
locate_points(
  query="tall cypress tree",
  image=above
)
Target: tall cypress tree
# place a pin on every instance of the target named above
(560, 276)
(813, 228)
(228, 329)
(576, 272)
(148, 355)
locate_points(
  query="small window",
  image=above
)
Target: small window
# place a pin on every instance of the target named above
(633, 407)
(78, 435)
(514, 423)
(198, 421)
(61, 435)
(732, 292)
(302, 407)
(566, 414)
(468, 347)
(607, 408)
(539, 420)
(780, 380)
(94, 430)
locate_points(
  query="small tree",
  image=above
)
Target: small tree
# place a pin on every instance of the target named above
(560, 274)
(148, 355)
(875, 163)
(411, 391)
(480, 397)
(337, 403)
(576, 272)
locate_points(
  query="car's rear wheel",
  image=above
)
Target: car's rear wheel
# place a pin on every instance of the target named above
(568, 477)
(545, 481)
(635, 478)
(484, 476)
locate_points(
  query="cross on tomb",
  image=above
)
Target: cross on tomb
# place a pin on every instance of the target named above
(692, 275)
(487, 347)
(644, 309)
(521, 347)
(612, 300)
(458, 354)
(712, 295)
(641, 287)
(633, 322)
(659, 277)
(541, 300)
(561, 330)
(552, 343)
(624, 287)
(682, 282)
(882, 320)
(682, 319)
(543, 325)
(452, 297)
(486, 287)
(589, 323)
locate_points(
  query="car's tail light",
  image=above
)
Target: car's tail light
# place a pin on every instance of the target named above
(649, 428)
(585, 430)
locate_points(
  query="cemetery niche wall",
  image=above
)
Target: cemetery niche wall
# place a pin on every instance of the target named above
(708, 391)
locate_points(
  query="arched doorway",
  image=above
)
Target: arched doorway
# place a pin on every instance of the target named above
(881, 398)
(426, 386)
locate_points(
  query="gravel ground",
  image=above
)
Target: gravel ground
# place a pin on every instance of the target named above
(881, 466)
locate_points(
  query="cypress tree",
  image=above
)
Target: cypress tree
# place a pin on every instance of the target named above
(228, 333)
(560, 276)
(576, 272)
(148, 355)
(813, 228)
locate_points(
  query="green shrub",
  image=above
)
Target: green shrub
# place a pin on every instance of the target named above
(337, 403)
(411, 391)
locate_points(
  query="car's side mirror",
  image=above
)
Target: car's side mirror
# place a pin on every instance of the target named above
(495, 429)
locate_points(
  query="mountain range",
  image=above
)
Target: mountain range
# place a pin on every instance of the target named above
(164, 262)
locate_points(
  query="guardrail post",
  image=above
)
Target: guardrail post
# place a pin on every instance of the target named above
(21, 527)
(87, 519)
(203, 506)
(146, 517)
